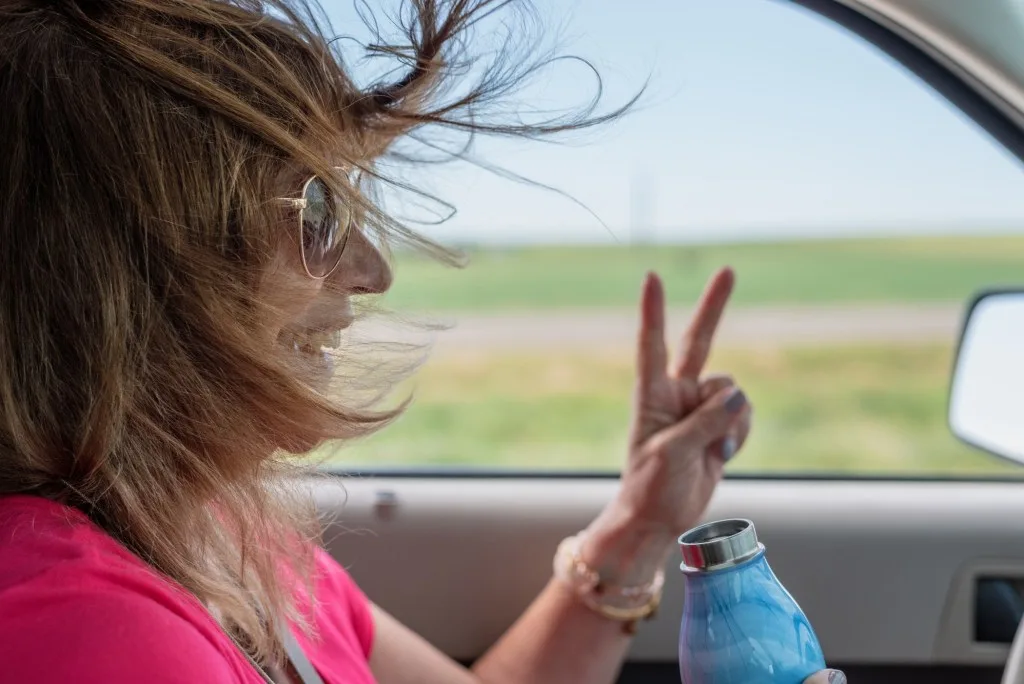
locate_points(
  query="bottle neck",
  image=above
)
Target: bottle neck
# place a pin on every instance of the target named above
(755, 569)
(719, 545)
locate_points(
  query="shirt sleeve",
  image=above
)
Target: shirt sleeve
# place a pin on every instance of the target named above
(337, 587)
(107, 638)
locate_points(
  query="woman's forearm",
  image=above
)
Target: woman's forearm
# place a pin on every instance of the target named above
(558, 640)
(561, 640)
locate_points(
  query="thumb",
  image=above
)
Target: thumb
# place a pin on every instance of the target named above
(711, 420)
(827, 677)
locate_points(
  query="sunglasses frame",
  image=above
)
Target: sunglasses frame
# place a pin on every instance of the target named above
(300, 203)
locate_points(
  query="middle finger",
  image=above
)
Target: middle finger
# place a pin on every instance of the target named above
(701, 331)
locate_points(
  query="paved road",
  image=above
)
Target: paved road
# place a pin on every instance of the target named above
(742, 327)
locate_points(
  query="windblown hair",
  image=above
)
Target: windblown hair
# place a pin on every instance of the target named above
(141, 144)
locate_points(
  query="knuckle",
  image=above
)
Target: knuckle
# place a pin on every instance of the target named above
(657, 448)
(714, 420)
(713, 385)
(709, 421)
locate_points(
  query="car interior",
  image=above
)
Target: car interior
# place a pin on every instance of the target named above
(906, 576)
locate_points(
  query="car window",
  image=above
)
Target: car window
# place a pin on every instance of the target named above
(859, 210)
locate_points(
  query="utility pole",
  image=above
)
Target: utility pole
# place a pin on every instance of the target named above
(641, 208)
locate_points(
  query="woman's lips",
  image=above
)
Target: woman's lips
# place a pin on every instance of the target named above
(327, 314)
(315, 348)
(311, 341)
(315, 340)
(314, 335)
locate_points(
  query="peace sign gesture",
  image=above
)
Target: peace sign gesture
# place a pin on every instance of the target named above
(685, 426)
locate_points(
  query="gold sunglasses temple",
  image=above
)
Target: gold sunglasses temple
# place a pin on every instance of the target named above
(294, 202)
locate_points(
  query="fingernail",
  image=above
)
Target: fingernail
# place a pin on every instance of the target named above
(736, 401)
(836, 677)
(728, 448)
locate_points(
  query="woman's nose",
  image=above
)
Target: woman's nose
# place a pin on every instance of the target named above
(363, 269)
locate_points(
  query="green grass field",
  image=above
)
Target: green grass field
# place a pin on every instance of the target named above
(810, 272)
(863, 410)
(849, 410)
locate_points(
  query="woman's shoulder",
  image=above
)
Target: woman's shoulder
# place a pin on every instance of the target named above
(75, 606)
(71, 598)
(47, 547)
(342, 611)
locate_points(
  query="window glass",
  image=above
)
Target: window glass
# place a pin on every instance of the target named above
(859, 210)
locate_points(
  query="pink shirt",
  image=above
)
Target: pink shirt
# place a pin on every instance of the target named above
(76, 606)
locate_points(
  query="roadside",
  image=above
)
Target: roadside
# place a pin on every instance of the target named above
(743, 327)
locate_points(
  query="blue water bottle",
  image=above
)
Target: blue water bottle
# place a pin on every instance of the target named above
(740, 625)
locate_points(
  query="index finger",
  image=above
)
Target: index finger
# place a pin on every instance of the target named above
(701, 331)
(652, 359)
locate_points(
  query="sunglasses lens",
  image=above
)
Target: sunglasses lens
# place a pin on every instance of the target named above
(324, 228)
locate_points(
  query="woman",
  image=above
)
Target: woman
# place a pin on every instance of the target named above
(186, 218)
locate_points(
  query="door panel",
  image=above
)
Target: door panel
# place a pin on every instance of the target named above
(881, 568)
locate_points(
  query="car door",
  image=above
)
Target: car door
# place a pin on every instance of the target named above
(858, 163)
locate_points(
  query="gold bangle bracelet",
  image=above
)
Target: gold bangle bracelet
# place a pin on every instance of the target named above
(625, 604)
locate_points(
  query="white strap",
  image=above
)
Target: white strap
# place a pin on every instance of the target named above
(300, 662)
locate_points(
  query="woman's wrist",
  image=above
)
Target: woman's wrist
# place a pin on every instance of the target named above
(624, 551)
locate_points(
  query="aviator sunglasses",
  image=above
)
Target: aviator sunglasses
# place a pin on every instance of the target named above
(325, 223)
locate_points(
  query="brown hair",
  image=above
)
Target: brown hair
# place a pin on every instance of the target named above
(142, 141)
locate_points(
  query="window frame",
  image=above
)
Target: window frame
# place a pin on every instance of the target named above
(954, 88)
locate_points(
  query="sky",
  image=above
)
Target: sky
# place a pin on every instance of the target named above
(760, 121)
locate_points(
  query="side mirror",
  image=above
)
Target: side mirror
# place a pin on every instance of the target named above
(986, 402)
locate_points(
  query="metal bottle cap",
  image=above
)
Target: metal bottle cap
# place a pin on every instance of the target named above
(719, 545)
